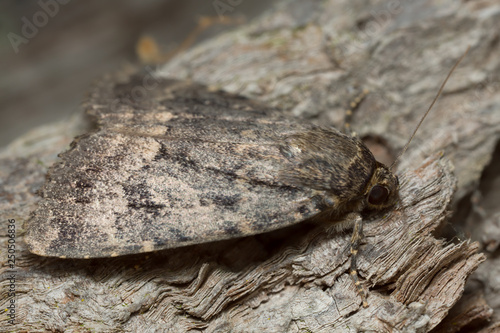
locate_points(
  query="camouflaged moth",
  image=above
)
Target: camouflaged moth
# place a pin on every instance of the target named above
(183, 165)
(186, 166)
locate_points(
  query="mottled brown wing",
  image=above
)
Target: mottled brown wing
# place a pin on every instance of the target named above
(178, 166)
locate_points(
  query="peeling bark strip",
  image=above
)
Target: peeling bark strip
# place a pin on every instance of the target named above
(304, 57)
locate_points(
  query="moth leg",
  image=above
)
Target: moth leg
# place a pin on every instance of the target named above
(357, 236)
(349, 112)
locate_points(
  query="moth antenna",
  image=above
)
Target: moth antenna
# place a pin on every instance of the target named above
(430, 107)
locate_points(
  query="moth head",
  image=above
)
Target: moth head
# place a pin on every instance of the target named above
(382, 190)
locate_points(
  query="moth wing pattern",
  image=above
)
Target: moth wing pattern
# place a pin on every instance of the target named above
(180, 165)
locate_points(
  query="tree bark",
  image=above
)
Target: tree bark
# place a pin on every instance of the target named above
(310, 59)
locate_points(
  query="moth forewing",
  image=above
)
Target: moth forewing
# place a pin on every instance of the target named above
(191, 171)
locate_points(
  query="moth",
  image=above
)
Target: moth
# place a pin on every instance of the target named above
(186, 166)
(172, 163)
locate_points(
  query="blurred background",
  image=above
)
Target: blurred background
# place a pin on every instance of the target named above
(52, 50)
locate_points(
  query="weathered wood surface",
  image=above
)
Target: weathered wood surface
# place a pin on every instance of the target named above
(310, 59)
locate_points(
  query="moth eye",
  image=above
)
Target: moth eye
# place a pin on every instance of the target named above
(378, 194)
